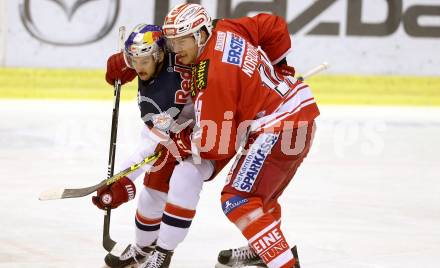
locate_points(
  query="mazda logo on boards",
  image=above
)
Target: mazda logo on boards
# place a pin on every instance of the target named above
(69, 9)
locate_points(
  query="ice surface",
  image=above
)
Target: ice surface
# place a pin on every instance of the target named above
(368, 195)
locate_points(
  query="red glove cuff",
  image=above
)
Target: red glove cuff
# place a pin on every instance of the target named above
(118, 69)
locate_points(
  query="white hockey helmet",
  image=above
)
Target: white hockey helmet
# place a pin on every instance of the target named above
(144, 40)
(187, 19)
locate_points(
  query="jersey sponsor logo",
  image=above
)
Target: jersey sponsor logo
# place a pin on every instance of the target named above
(233, 203)
(199, 77)
(235, 47)
(162, 121)
(250, 60)
(202, 74)
(252, 164)
(182, 95)
(220, 41)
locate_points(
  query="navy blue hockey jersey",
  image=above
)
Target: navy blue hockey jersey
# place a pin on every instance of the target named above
(163, 97)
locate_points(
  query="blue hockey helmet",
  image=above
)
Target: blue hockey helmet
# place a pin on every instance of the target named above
(144, 40)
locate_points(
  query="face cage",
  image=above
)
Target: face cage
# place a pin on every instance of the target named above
(129, 62)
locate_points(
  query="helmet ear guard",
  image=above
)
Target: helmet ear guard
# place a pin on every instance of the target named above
(144, 40)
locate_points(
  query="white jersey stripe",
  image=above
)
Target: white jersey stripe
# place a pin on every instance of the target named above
(281, 260)
(274, 118)
(178, 217)
(301, 99)
(287, 114)
(292, 94)
(292, 103)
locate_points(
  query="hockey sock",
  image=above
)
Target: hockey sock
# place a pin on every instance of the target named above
(261, 227)
(175, 225)
(146, 230)
(275, 211)
(148, 216)
(267, 240)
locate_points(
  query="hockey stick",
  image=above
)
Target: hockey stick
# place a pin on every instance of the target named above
(107, 241)
(323, 66)
(63, 193)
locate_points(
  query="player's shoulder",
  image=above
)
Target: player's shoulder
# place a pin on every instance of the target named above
(227, 23)
(226, 51)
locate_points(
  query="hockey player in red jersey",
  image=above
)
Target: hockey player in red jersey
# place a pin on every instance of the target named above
(168, 200)
(244, 93)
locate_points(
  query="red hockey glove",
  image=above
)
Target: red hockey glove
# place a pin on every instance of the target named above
(117, 69)
(115, 194)
(180, 144)
(284, 69)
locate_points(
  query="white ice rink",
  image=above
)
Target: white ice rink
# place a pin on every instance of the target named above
(368, 195)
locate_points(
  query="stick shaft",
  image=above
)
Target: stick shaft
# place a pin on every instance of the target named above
(107, 242)
(321, 67)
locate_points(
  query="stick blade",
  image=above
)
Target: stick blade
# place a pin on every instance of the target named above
(54, 194)
(51, 194)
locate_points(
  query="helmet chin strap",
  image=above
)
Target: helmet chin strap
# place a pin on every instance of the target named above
(159, 64)
(156, 57)
(198, 38)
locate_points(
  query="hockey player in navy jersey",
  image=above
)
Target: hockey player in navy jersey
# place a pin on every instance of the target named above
(164, 212)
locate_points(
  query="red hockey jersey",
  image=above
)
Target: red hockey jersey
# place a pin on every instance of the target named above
(235, 88)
